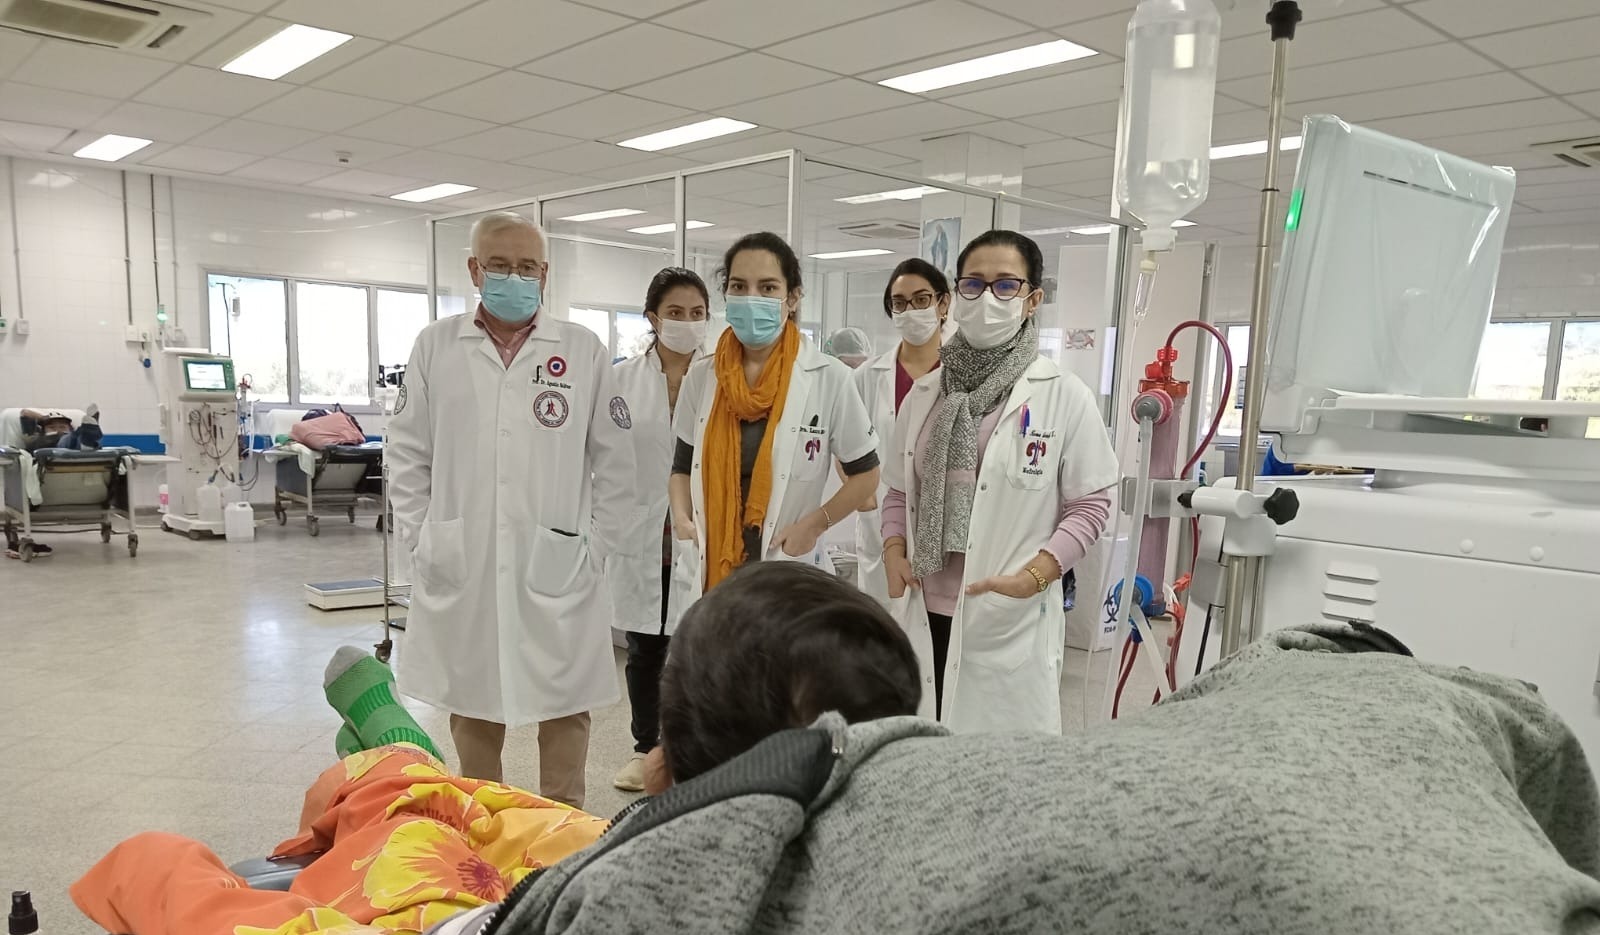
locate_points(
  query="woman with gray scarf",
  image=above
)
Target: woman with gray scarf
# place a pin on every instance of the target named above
(1000, 480)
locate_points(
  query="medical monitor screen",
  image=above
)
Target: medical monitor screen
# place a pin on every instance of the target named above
(207, 375)
(1390, 256)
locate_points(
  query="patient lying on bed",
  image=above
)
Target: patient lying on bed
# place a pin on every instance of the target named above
(51, 428)
(1320, 781)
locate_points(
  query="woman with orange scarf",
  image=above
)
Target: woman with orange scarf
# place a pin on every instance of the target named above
(759, 426)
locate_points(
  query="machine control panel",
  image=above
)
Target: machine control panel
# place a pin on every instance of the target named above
(207, 379)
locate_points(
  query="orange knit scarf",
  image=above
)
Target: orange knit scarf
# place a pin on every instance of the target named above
(737, 401)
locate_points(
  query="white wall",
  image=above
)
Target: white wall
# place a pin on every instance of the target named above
(76, 279)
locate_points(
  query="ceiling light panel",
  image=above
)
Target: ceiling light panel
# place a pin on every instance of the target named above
(683, 136)
(1257, 148)
(989, 66)
(849, 254)
(669, 228)
(435, 192)
(899, 194)
(287, 49)
(111, 147)
(602, 215)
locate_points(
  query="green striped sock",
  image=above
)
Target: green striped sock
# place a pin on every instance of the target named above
(361, 689)
(347, 742)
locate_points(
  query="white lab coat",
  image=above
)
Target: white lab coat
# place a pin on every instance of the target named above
(875, 382)
(1003, 670)
(634, 572)
(509, 485)
(822, 406)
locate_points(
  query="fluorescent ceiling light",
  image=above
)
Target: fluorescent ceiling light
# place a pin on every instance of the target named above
(288, 49)
(668, 228)
(432, 192)
(602, 215)
(902, 194)
(1048, 232)
(1257, 148)
(989, 66)
(1094, 231)
(1182, 223)
(683, 136)
(849, 254)
(111, 147)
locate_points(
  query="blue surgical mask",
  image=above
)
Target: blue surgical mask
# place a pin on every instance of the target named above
(756, 320)
(511, 298)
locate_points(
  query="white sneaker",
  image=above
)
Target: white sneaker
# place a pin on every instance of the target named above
(631, 777)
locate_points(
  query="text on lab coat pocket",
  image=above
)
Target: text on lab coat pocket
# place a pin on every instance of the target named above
(812, 453)
(1036, 455)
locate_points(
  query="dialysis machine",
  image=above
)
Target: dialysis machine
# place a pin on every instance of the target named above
(200, 428)
(1476, 538)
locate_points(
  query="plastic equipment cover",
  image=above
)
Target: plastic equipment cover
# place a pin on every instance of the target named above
(1388, 271)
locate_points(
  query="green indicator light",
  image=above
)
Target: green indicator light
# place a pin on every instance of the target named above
(1295, 201)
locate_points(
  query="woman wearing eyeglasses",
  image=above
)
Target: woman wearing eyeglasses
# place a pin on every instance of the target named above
(917, 301)
(999, 480)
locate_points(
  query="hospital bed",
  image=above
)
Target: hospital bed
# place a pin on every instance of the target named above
(61, 487)
(337, 477)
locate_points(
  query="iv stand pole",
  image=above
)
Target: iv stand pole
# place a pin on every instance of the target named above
(1245, 571)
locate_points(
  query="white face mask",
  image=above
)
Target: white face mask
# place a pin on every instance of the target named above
(682, 337)
(988, 321)
(917, 325)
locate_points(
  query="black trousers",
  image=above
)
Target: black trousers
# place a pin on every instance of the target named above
(939, 625)
(647, 655)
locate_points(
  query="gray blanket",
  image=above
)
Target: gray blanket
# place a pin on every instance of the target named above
(1312, 784)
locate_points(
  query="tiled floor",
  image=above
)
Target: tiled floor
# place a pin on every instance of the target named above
(182, 691)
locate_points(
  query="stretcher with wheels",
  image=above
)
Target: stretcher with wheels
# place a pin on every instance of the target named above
(65, 487)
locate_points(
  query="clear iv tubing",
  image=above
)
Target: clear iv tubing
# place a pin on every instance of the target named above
(1130, 571)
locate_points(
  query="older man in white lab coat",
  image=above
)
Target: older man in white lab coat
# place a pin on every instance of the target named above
(509, 454)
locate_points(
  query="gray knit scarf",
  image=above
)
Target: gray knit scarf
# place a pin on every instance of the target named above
(974, 382)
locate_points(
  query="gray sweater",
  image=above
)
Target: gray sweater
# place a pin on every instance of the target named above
(1308, 785)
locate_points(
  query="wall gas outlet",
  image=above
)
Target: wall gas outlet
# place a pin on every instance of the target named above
(21, 327)
(134, 334)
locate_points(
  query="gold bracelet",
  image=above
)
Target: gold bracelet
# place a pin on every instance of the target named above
(1037, 577)
(826, 518)
(893, 541)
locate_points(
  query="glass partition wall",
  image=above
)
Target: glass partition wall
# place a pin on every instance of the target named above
(851, 226)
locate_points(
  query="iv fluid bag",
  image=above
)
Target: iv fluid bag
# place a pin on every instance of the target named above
(1163, 160)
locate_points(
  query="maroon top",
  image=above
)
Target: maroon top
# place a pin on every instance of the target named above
(903, 381)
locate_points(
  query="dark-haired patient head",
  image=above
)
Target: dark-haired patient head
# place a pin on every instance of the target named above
(775, 646)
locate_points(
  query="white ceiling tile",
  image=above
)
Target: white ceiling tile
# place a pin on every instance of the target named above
(48, 106)
(1060, 174)
(211, 92)
(639, 53)
(1063, 151)
(506, 143)
(284, 171)
(1249, 19)
(845, 97)
(925, 119)
(731, 20)
(380, 19)
(1479, 119)
(1049, 14)
(367, 183)
(14, 50)
(1076, 121)
(1109, 34)
(1012, 132)
(397, 73)
(582, 158)
(1085, 86)
(903, 36)
(247, 136)
(1320, 40)
(325, 151)
(739, 146)
(514, 32)
(610, 116)
(155, 123)
(449, 167)
(1566, 77)
(417, 126)
(249, 6)
(1440, 62)
(869, 157)
(316, 109)
(510, 96)
(89, 70)
(636, 170)
(31, 136)
(1477, 90)
(1589, 101)
(1465, 20)
(1541, 45)
(638, 9)
(199, 159)
(742, 78)
(199, 36)
(1479, 142)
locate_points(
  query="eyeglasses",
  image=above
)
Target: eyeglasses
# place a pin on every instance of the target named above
(500, 269)
(919, 301)
(1005, 289)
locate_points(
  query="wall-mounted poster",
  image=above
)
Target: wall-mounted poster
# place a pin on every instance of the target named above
(941, 242)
